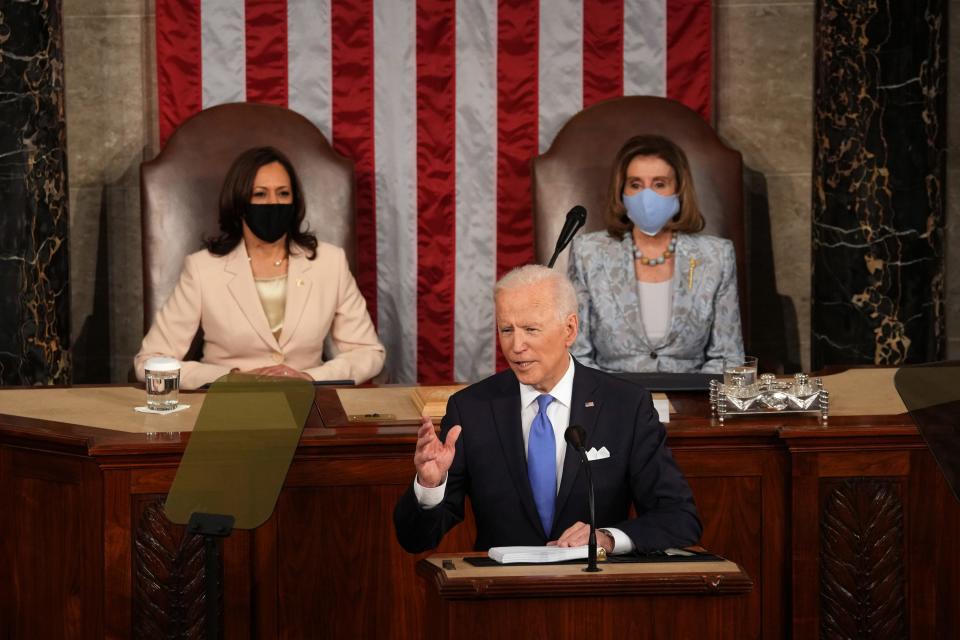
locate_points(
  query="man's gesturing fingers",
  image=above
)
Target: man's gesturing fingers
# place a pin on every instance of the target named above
(426, 435)
(451, 443)
(433, 457)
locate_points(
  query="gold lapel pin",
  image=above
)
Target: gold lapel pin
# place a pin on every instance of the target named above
(299, 282)
(693, 265)
(588, 404)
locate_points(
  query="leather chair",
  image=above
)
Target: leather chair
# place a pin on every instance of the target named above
(576, 170)
(180, 188)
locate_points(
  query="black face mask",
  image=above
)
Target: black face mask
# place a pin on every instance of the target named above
(269, 221)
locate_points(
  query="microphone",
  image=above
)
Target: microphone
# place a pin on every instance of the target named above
(575, 435)
(576, 218)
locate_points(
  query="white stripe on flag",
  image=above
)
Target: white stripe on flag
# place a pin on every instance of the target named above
(223, 47)
(476, 189)
(395, 153)
(645, 47)
(309, 61)
(560, 66)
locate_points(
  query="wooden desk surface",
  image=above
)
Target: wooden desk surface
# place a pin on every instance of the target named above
(329, 426)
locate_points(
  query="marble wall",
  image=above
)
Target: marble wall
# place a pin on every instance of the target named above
(764, 107)
(35, 313)
(764, 87)
(879, 173)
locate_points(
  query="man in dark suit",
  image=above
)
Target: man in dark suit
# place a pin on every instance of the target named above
(502, 443)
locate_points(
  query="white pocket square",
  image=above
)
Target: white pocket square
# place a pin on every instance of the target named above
(593, 454)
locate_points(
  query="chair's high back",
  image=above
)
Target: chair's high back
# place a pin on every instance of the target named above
(180, 188)
(576, 170)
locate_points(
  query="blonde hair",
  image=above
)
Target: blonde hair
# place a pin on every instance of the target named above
(564, 298)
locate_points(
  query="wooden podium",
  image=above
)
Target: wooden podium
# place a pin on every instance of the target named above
(626, 600)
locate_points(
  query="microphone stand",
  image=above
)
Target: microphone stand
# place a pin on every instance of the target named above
(575, 437)
(592, 540)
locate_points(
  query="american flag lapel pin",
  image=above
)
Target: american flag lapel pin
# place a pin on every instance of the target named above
(588, 404)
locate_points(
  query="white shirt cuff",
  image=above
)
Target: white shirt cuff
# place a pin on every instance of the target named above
(429, 497)
(621, 542)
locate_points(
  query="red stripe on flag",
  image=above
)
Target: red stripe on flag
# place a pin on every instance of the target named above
(436, 188)
(517, 121)
(602, 50)
(179, 79)
(266, 30)
(690, 54)
(351, 31)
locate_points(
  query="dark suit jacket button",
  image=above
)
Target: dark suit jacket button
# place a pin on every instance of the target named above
(653, 355)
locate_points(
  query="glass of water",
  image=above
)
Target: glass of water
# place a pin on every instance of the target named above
(162, 376)
(740, 372)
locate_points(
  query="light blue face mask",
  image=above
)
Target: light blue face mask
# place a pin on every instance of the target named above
(649, 210)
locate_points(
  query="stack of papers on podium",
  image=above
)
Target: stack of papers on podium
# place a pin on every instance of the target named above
(508, 555)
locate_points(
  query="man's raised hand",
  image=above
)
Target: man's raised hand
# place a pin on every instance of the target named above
(432, 457)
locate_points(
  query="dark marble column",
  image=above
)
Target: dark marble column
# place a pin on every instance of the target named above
(34, 298)
(879, 172)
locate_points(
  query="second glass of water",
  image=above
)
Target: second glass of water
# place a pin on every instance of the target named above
(162, 376)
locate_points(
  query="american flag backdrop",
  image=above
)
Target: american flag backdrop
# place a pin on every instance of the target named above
(441, 104)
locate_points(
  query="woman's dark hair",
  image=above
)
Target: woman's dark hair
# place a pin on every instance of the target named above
(235, 198)
(688, 219)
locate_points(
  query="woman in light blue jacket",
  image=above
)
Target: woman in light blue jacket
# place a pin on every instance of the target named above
(654, 293)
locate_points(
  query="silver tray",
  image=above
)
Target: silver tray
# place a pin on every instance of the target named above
(770, 396)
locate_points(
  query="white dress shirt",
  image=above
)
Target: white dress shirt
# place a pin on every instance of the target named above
(558, 412)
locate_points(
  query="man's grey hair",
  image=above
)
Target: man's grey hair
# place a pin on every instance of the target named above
(565, 296)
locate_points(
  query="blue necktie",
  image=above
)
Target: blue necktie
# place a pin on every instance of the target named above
(542, 463)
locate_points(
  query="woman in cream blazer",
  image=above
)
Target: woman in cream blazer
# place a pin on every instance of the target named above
(653, 293)
(267, 303)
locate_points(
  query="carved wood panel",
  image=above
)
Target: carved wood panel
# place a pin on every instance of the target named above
(862, 577)
(169, 580)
